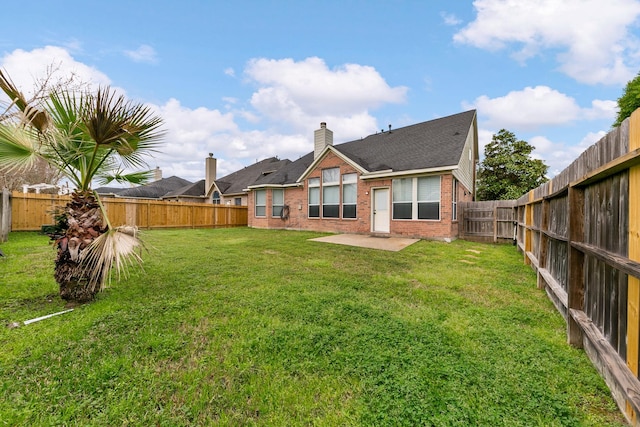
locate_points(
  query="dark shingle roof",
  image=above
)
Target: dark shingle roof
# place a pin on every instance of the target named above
(241, 179)
(195, 189)
(109, 190)
(157, 189)
(432, 144)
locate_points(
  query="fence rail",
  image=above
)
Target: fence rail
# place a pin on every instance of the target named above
(581, 233)
(30, 212)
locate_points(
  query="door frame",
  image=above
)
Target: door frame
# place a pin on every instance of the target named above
(373, 209)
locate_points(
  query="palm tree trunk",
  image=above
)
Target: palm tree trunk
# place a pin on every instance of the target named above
(82, 222)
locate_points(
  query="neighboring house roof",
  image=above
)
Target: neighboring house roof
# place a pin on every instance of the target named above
(195, 189)
(238, 181)
(109, 190)
(156, 189)
(428, 145)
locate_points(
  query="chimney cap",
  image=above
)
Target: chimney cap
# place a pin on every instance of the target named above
(323, 125)
(210, 154)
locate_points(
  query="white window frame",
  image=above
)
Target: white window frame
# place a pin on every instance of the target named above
(314, 187)
(349, 180)
(454, 200)
(260, 203)
(276, 208)
(330, 182)
(416, 200)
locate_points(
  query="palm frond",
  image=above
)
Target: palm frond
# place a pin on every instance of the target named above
(122, 177)
(116, 250)
(18, 147)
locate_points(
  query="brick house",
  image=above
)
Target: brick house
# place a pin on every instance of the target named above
(400, 182)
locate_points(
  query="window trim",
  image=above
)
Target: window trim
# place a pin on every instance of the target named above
(454, 200)
(256, 205)
(313, 183)
(414, 199)
(273, 203)
(354, 183)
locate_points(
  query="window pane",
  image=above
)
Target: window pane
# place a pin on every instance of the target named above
(331, 195)
(428, 210)
(260, 210)
(429, 189)
(349, 178)
(314, 211)
(330, 176)
(276, 210)
(402, 210)
(261, 197)
(348, 211)
(278, 197)
(402, 189)
(314, 182)
(330, 211)
(349, 193)
(314, 196)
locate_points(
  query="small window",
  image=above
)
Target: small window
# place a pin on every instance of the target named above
(216, 198)
(277, 202)
(349, 195)
(238, 201)
(314, 197)
(261, 203)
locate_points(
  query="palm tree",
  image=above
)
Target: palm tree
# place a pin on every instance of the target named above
(88, 137)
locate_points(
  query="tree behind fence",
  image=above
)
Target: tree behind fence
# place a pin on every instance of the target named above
(30, 212)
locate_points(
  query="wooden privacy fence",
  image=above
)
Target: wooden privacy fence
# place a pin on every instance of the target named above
(31, 211)
(492, 221)
(581, 233)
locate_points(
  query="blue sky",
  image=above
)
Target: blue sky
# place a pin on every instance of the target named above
(248, 80)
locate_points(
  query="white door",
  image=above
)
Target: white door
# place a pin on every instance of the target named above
(381, 210)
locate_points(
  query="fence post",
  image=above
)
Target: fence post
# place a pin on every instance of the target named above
(575, 270)
(5, 214)
(633, 283)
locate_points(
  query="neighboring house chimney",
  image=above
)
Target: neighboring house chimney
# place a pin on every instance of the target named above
(211, 166)
(157, 174)
(321, 138)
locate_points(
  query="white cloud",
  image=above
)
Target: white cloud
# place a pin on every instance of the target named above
(230, 72)
(450, 19)
(26, 67)
(144, 53)
(538, 106)
(559, 155)
(302, 94)
(592, 35)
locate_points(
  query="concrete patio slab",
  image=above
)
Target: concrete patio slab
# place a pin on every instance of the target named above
(394, 244)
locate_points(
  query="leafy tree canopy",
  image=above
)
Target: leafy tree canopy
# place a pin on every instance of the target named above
(629, 101)
(507, 170)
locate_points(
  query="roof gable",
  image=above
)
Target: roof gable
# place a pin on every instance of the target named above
(239, 180)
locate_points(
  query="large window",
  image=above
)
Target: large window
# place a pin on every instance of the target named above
(402, 198)
(416, 198)
(349, 195)
(429, 197)
(261, 203)
(277, 202)
(331, 193)
(314, 198)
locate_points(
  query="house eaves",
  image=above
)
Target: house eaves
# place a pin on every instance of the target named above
(390, 173)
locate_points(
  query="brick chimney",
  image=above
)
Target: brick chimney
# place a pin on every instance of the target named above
(210, 166)
(321, 138)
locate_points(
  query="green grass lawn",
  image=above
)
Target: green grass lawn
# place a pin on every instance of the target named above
(263, 327)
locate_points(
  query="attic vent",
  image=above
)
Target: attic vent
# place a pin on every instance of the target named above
(268, 172)
(457, 133)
